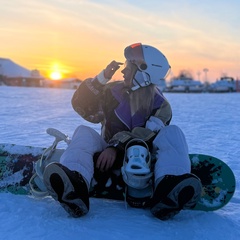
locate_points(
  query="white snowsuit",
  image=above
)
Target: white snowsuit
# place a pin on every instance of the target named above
(171, 152)
(170, 147)
(79, 154)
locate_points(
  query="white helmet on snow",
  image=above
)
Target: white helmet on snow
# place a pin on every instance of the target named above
(151, 63)
(136, 169)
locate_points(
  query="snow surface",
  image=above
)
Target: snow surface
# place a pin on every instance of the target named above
(210, 123)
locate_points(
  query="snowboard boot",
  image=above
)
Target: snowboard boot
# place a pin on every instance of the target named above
(138, 198)
(174, 193)
(67, 187)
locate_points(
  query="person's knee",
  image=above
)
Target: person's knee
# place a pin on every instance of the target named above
(85, 131)
(83, 128)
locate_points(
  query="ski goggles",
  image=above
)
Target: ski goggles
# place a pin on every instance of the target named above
(134, 54)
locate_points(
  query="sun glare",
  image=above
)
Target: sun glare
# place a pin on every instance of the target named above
(56, 72)
(55, 75)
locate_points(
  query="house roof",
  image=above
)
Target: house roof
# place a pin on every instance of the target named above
(10, 69)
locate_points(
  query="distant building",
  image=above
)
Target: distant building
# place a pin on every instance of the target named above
(238, 85)
(70, 83)
(185, 83)
(224, 84)
(12, 74)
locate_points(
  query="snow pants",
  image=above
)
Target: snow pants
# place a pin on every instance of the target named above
(170, 148)
(79, 154)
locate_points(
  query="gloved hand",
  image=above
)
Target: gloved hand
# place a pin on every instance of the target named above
(106, 159)
(108, 72)
(111, 69)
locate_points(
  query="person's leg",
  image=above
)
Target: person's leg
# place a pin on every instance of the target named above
(68, 181)
(79, 154)
(175, 187)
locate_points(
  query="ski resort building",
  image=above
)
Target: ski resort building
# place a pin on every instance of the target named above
(224, 84)
(70, 83)
(12, 74)
(185, 83)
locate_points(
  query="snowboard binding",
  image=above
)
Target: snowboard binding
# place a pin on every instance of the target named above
(37, 187)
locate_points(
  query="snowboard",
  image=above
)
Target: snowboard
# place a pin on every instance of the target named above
(17, 168)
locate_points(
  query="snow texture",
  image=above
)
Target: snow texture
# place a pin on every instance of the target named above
(210, 123)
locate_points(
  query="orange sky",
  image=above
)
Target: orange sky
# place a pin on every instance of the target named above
(80, 37)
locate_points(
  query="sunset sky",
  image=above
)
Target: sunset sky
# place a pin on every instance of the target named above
(78, 38)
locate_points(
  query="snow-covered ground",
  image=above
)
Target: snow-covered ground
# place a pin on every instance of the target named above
(211, 123)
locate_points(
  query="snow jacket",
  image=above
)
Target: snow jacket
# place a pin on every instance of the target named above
(109, 105)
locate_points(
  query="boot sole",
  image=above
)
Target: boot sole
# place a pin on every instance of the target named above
(75, 207)
(164, 212)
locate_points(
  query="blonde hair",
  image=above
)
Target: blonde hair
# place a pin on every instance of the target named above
(142, 99)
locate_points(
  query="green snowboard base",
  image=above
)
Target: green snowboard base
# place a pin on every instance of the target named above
(17, 167)
(217, 179)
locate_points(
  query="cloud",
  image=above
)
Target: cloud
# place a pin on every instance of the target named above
(79, 31)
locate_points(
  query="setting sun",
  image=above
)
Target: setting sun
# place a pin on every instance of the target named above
(56, 71)
(55, 75)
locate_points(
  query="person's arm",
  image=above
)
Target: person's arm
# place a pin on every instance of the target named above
(86, 100)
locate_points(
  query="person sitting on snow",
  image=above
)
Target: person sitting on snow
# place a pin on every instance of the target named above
(136, 139)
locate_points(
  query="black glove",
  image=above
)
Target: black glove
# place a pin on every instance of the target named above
(111, 69)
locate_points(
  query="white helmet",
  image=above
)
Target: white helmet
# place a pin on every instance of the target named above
(137, 163)
(151, 63)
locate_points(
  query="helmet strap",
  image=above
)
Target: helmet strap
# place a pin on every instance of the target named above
(140, 79)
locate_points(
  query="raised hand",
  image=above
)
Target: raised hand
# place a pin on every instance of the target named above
(111, 69)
